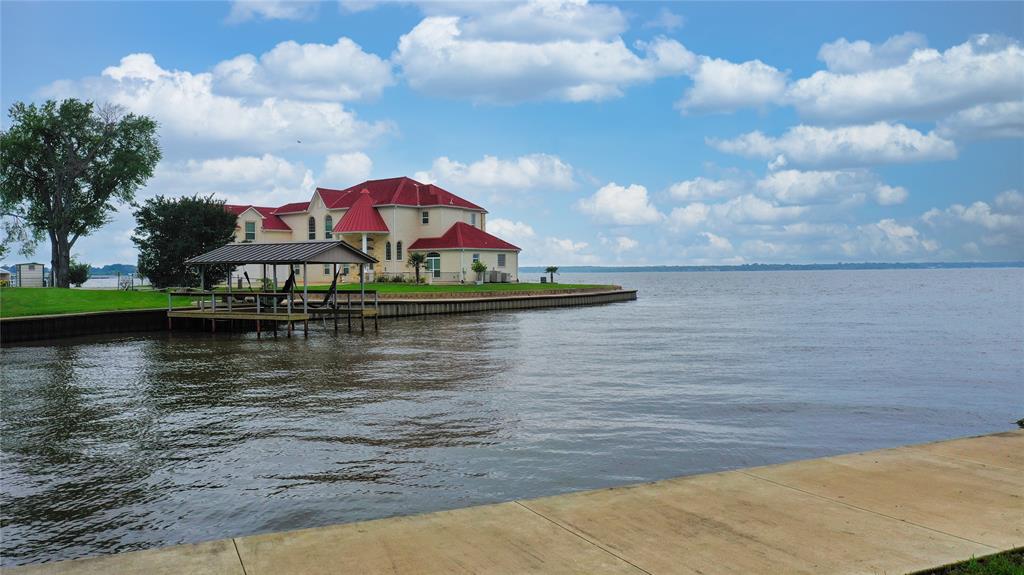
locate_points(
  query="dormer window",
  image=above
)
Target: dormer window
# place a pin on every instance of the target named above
(425, 217)
(250, 231)
(472, 219)
(312, 228)
(328, 227)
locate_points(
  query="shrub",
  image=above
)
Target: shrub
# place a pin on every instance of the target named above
(78, 273)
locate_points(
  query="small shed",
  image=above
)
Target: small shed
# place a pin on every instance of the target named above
(5, 277)
(30, 274)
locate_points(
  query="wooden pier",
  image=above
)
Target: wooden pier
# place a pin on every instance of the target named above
(275, 309)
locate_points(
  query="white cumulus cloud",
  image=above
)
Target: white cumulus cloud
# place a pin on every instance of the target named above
(620, 205)
(722, 86)
(190, 111)
(929, 84)
(529, 172)
(343, 170)
(999, 120)
(438, 58)
(265, 180)
(808, 187)
(340, 71)
(843, 56)
(844, 146)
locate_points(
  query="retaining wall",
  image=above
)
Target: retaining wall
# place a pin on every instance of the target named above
(33, 328)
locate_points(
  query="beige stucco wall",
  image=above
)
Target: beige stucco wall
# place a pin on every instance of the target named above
(405, 225)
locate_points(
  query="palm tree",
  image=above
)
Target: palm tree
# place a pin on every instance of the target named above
(552, 270)
(417, 259)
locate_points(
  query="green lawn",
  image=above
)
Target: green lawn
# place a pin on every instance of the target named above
(1005, 563)
(17, 302)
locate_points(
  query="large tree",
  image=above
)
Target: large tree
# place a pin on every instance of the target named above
(63, 169)
(171, 230)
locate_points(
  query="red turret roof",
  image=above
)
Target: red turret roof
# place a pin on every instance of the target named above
(269, 220)
(361, 217)
(395, 191)
(463, 235)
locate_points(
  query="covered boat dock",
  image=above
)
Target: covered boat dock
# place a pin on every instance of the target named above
(278, 306)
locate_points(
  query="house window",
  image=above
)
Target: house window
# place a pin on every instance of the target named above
(398, 251)
(31, 267)
(328, 227)
(327, 269)
(297, 270)
(476, 258)
(250, 231)
(344, 270)
(472, 219)
(425, 217)
(312, 228)
(387, 251)
(501, 260)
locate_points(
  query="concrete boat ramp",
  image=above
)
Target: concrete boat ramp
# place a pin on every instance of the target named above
(888, 511)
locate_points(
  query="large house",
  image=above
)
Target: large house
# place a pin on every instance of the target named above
(388, 219)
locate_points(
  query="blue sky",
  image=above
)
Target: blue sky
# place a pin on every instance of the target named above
(602, 133)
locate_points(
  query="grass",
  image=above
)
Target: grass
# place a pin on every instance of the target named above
(19, 302)
(1005, 563)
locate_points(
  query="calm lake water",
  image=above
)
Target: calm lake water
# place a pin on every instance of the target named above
(130, 442)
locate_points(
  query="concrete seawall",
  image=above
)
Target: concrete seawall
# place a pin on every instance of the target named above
(888, 511)
(34, 328)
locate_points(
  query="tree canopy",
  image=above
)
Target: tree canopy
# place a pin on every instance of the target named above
(63, 169)
(171, 230)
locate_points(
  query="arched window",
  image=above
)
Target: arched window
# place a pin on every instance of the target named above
(328, 226)
(312, 228)
(398, 251)
(387, 251)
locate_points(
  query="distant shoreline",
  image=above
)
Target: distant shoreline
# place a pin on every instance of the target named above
(779, 267)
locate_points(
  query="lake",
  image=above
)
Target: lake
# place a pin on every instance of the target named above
(120, 443)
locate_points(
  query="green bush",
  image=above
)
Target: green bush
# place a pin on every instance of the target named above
(78, 273)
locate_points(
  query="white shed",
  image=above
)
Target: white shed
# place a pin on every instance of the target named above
(30, 275)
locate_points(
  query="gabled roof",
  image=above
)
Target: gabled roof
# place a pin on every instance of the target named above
(292, 208)
(463, 235)
(333, 251)
(395, 191)
(361, 217)
(269, 221)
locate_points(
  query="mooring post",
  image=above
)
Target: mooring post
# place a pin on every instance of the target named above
(305, 299)
(257, 315)
(376, 310)
(169, 308)
(334, 298)
(348, 309)
(362, 296)
(289, 314)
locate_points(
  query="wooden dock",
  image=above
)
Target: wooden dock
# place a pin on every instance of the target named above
(888, 511)
(275, 309)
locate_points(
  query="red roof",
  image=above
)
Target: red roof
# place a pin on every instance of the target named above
(292, 208)
(463, 235)
(361, 217)
(269, 220)
(395, 191)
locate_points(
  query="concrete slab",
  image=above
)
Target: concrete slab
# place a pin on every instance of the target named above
(999, 449)
(981, 503)
(503, 538)
(733, 523)
(209, 558)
